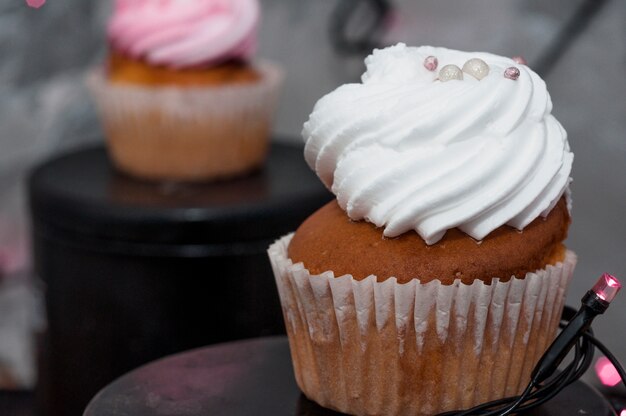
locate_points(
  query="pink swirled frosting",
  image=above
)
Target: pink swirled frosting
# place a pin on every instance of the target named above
(185, 33)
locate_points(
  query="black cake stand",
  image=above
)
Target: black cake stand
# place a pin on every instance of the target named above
(254, 377)
(136, 270)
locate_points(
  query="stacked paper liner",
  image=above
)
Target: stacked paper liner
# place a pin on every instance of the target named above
(383, 348)
(184, 133)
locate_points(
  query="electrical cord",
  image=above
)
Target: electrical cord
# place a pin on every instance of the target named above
(576, 334)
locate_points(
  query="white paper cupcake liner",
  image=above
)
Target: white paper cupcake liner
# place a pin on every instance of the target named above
(169, 132)
(372, 348)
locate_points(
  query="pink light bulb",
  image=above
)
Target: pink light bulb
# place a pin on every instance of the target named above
(606, 372)
(607, 287)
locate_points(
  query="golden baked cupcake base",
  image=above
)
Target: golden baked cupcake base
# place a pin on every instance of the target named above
(366, 347)
(329, 240)
(191, 134)
(122, 69)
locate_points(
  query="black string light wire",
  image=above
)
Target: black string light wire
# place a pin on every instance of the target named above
(576, 333)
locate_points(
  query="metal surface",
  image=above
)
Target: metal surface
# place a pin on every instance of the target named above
(253, 378)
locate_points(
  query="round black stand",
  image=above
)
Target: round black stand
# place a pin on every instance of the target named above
(254, 377)
(135, 270)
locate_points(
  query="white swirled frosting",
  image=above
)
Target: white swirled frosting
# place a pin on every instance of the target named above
(406, 151)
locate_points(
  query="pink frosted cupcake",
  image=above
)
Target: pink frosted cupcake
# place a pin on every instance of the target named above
(180, 97)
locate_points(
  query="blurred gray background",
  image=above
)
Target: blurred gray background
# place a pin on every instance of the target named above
(45, 109)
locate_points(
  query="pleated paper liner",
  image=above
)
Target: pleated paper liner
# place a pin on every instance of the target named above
(188, 133)
(373, 348)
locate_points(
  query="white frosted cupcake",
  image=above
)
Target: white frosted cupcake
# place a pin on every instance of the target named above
(180, 97)
(437, 278)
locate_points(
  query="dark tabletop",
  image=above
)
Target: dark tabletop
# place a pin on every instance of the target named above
(253, 377)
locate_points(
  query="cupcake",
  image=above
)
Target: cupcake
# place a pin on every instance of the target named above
(436, 279)
(179, 97)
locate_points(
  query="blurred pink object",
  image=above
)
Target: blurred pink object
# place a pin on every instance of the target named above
(3, 266)
(35, 3)
(622, 413)
(520, 60)
(184, 34)
(607, 373)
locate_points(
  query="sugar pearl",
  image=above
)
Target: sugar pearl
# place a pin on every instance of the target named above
(511, 73)
(450, 72)
(520, 60)
(476, 68)
(431, 63)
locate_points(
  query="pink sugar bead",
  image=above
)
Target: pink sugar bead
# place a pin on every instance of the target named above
(511, 73)
(520, 60)
(431, 63)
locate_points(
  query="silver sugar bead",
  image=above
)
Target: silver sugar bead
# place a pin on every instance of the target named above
(450, 72)
(431, 63)
(511, 73)
(477, 68)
